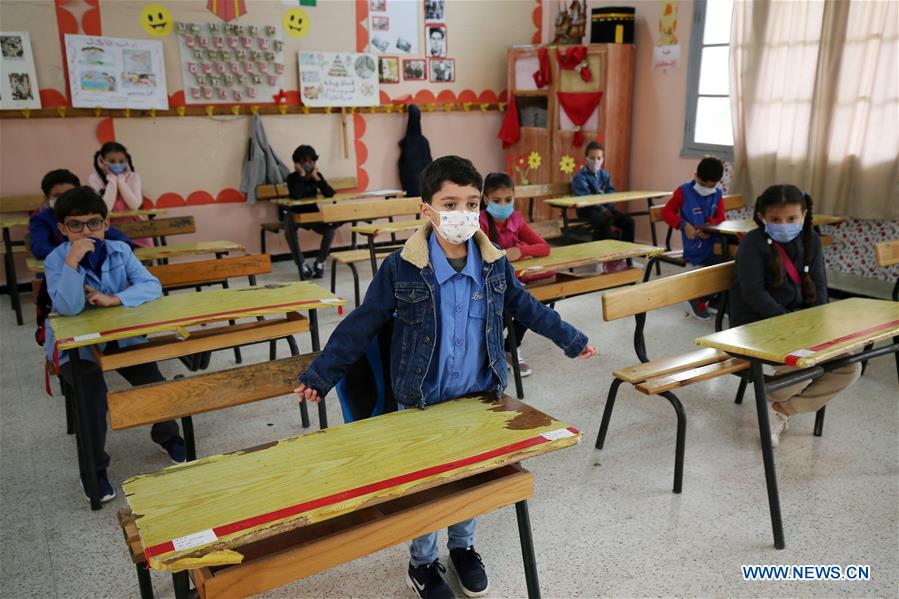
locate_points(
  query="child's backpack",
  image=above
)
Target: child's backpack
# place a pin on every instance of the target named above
(43, 306)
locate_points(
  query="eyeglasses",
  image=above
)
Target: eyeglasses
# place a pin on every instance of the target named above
(77, 226)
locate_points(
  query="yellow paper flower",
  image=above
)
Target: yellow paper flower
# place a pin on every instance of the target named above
(534, 161)
(566, 165)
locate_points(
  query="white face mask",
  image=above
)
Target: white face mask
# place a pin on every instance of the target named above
(594, 164)
(457, 226)
(702, 190)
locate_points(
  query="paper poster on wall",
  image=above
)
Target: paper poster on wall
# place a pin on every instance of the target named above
(665, 57)
(393, 26)
(111, 72)
(339, 79)
(227, 63)
(18, 81)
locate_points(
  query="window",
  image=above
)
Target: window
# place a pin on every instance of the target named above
(707, 127)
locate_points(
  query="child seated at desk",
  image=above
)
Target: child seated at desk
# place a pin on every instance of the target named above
(306, 182)
(593, 180)
(505, 226)
(115, 178)
(780, 269)
(445, 293)
(43, 230)
(693, 204)
(89, 270)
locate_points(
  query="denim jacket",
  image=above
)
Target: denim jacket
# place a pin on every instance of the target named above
(405, 289)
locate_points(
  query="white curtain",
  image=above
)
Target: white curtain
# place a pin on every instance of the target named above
(815, 101)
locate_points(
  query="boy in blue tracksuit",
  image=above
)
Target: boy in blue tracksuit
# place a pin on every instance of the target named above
(89, 270)
(593, 180)
(43, 230)
(446, 290)
(693, 204)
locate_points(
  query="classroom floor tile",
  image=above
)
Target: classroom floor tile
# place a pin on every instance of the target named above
(605, 522)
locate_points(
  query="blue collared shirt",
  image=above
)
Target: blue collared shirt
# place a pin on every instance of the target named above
(461, 367)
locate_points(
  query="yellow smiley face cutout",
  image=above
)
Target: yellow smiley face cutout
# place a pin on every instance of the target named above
(296, 23)
(156, 20)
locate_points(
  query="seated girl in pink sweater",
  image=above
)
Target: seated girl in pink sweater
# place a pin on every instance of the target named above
(115, 179)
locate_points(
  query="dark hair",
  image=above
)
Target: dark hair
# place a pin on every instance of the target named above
(80, 201)
(594, 145)
(454, 169)
(492, 182)
(710, 169)
(108, 148)
(58, 177)
(304, 153)
(782, 195)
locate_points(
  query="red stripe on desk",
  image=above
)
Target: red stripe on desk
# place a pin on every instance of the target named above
(409, 477)
(792, 359)
(199, 316)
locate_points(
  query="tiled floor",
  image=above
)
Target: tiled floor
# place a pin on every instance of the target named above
(605, 523)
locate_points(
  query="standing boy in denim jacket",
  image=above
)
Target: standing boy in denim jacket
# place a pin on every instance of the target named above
(89, 270)
(447, 292)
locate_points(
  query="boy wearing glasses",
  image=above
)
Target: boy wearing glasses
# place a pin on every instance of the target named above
(89, 270)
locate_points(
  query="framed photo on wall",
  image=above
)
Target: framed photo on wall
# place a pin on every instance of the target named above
(389, 69)
(434, 10)
(436, 40)
(442, 70)
(415, 69)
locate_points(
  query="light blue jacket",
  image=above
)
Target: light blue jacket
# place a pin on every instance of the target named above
(122, 275)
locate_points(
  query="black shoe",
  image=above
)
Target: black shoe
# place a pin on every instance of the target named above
(318, 271)
(107, 493)
(427, 581)
(175, 449)
(470, 569)
(306, 272)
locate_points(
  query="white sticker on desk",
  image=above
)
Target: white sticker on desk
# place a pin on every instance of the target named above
(803, 353)
(332, 300)
(204, 537)
(81, 338)
(557, 434)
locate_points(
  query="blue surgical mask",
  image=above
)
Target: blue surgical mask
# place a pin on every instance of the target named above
(118, 168)
(703, 190)
(783, 232)
(500, 211)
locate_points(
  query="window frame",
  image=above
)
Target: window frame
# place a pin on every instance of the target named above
(692, 148)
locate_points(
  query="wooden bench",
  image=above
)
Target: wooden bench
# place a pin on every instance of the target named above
(887, 254)
(158, 228)
(278, 191)
(351, 258)
(547, 229)
(662, 376)
(531, 193)
(731, 202)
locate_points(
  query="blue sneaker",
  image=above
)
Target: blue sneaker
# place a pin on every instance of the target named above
(427, 581)
(470, 569)
(107, 493)
(175, 449)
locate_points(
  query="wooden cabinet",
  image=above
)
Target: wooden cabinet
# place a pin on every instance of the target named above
(546, 129)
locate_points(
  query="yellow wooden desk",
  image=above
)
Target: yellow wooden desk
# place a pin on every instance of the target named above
(177, 314)
(9, 264)
(565, 204)
(207, 515)
(584, 254)
(813, 340)
(162, 252)
(341, 197)
(372, 230)
(10, 222)
(150, 213)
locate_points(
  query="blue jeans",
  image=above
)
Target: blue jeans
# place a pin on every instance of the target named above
(423, 549)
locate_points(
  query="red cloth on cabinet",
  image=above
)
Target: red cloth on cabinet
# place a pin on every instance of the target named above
(575, 58)
(542, 75)
(579, 106)
(510, 132)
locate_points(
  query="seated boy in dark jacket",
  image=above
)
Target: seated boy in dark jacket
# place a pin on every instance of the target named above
(447, 290)
(43, 229)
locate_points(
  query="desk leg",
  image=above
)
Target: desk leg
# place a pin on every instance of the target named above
(652, 232)
(565, 238)
(82, 433)
(725, 247)
(304, 410)
(513, 351)
(11, 281)
(530, 210)
(373, 255)
(190, 443)
(316, 346)
(290, 232)
(527, 549)
(181, 582)
(761, 405)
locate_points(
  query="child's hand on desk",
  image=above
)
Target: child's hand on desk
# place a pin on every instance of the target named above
(307, 393)
(513, 254)
(95, 298)
(692, 232)
(588, 353)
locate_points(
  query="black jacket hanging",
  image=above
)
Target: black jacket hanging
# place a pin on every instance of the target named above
(415, 154)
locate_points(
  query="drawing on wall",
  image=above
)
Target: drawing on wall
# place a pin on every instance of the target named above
(156, 20)
(415, 69)
(389, 69)
(393, 26)
(18, 81)
(666, 53)
(340, 78)
(109, 72)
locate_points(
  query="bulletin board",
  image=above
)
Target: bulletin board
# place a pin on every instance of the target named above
(339, 79)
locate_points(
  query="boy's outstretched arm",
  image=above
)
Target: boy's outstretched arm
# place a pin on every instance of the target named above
(351, 337)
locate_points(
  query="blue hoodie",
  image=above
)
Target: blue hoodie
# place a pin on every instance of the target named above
(44, 234)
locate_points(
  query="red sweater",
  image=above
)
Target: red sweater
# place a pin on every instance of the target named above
(671, 212)
(515, 232)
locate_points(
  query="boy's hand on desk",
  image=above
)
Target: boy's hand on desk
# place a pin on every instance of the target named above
(96, 298)
(588, 353)
(79, 249)
(513, 253)
(692, 232)
(305, 393)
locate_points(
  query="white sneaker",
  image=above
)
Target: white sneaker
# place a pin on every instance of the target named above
(778, 423)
